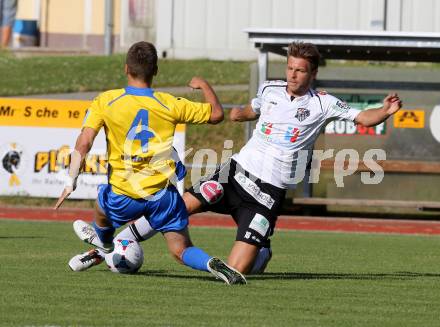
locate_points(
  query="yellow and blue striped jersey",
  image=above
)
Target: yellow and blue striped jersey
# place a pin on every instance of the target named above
(139, 125)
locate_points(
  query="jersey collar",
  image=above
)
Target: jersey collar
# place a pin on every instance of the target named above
(140, 91)
(309, 94)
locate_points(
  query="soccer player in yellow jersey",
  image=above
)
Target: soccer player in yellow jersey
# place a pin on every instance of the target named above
(139, 124)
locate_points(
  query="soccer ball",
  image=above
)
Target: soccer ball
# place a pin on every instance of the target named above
(126, 258)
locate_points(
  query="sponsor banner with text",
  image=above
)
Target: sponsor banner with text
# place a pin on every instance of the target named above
(36, 136)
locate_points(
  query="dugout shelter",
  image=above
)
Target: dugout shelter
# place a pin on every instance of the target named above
(365, 72)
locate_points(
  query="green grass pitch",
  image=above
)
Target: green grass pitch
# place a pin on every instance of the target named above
(314, 279)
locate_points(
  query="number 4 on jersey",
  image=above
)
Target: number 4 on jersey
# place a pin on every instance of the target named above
(139, 129)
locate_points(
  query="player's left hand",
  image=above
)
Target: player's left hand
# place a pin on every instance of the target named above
(392, 103)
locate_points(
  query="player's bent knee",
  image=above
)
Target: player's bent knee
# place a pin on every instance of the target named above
(192, 204)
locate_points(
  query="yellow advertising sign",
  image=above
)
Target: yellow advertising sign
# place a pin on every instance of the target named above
(42, 112)
(409, 119)
(46, 113)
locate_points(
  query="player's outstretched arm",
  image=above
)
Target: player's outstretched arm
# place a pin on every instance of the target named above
(372, 117)
(217, 114)
(83, 145)
(243, 114)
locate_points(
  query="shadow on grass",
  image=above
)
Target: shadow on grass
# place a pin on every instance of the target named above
(167, 274)
(399, 275)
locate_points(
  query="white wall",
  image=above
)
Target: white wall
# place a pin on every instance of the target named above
(139, 24)
(214, 28)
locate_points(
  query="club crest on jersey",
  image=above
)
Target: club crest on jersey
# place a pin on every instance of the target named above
(302, 113)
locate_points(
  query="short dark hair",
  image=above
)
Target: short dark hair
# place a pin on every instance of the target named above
(307, 51)
(142, 61)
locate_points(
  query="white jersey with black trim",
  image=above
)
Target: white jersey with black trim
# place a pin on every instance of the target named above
(285, 126)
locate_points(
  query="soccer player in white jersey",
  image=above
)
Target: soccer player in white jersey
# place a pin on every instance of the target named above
(252, 185)
(290, 117)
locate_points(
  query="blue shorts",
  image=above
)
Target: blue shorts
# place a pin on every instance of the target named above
(8, 9)
(166, 212)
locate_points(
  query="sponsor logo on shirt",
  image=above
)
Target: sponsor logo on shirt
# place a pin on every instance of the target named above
(266, 128)
(341, 106)
(256, 239)
(291, 134)
(302, 114)
(259, 224)
(254, 190)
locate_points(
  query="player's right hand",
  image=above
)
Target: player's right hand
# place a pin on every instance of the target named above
(66, 192)
(392, 103)
(197, 82)
(70, 186)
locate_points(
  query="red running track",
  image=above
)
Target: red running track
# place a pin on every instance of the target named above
(302, 223)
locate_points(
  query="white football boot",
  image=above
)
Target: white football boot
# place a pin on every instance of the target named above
(86, 260)
(87, 233)
(222, 271)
